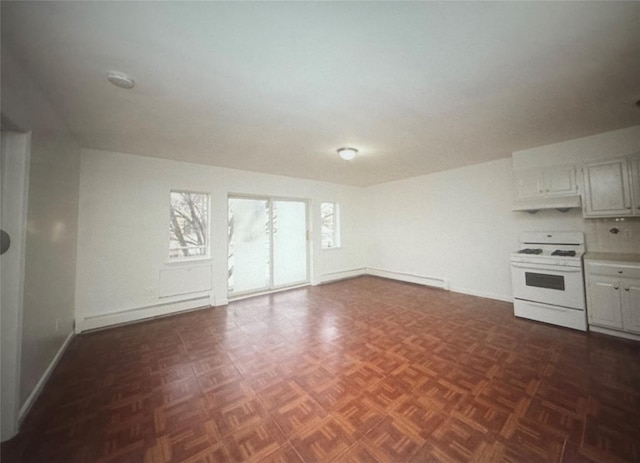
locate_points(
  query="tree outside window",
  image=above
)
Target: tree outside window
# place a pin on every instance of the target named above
(189, 223)
(329, 226)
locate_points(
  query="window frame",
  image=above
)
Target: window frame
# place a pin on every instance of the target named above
(207, 231)
(337, 238)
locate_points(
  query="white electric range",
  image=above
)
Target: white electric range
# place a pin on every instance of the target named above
(547, 278)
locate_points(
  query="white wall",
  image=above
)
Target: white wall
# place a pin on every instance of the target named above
(605, 145)
(454, 228)
(458, 225)
(50, 263)
(123, 232)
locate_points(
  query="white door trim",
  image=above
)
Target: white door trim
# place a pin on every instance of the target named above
(16, 153)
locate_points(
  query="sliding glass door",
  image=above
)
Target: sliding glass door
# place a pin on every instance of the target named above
(268, 245)
(249, 245)
(289, 243)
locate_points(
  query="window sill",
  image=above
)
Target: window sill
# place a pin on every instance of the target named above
(333, 248)
(189, 260)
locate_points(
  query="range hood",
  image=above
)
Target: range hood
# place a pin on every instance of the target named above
(562, 203)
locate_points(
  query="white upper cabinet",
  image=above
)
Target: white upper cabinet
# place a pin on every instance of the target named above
(634, 165)
(528, 183)
(561, 180)
(609, 188)
(546, 188)
(546, 181)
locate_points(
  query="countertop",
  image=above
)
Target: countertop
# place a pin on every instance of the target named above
(613, 257)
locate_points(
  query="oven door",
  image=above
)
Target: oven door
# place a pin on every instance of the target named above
(549, 284)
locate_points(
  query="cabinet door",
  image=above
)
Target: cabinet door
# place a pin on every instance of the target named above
(546, 181)
(631, 305)
(607, 189)
(635, 183)
(560, 180)
(603, 302)
(529, 183)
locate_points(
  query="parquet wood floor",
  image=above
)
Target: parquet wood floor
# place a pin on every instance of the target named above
(364, 370)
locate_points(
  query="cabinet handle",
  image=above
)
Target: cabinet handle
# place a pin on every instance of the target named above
(628, 207)
(616, 287)
(620, 271)
(626, 289)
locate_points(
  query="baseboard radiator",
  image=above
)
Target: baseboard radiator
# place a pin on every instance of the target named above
(92, 322)
(436, 282)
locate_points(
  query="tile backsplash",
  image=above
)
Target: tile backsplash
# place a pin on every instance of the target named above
(613, 235)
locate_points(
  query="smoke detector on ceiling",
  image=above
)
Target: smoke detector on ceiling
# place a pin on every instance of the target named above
(120, 79)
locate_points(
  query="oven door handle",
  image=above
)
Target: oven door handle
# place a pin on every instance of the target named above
(535, 267)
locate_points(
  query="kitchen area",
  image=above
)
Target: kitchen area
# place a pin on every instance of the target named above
(588, 276)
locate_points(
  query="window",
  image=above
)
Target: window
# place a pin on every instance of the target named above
(189, 224)
(329, 226)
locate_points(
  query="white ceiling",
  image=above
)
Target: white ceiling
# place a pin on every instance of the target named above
(417, 87)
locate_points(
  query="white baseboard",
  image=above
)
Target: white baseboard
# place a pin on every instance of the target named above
(619, 334)
(341, 275)
(485, 294)
(43, 379)
(436, 282)
(92, 322)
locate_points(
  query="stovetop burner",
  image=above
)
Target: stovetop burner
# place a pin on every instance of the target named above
(559, 252)
(530, 251)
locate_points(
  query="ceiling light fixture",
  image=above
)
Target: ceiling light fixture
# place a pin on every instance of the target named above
(347, 153)
(120, 79)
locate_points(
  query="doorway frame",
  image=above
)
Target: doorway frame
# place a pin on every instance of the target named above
(16, 147)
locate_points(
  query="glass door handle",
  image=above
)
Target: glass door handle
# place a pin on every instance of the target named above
(5, 241)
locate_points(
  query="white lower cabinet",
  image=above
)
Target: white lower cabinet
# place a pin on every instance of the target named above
(604, 303)
(613, 293)
(631, 305)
